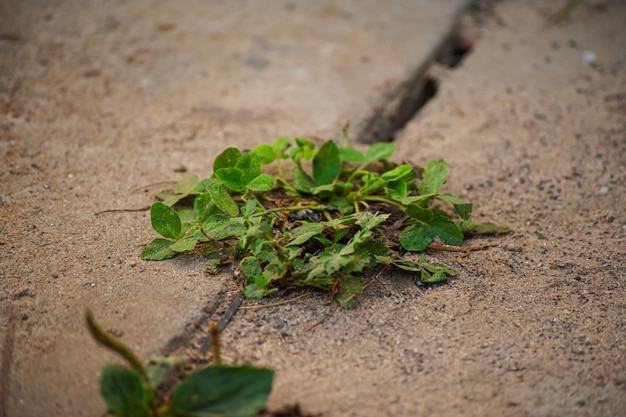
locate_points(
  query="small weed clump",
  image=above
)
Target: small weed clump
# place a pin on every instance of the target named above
(339, 213)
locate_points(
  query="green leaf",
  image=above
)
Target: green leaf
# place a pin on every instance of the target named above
(351, 156)
(349, 288)
(266, 153)
(403, 172)
(186, 185)
(253, 291)
(261, 183)
(417, 237)
(203, 207)
(418, 199)
(280, 146)
(432, 278)
(379, 151)
(302, 181)
(158, 249)
(305, 150)
(165, 220)
(220, 227)
(249, 208)
(436, 267)
(233, 178)
(223, 200)
(274, 270)
(124, 391)
(222, 391)
(368, 221)
(326, 163)
(435, 176)
(227, 159)
(302, 234)
(468, 227)
(184, 245)
(250, 164)
(397, 190)
(250, 266)
(462, 207)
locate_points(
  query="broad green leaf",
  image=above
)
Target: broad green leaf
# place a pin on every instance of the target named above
(417, 237)
(349, 288)
(419, 213)
(214, 391)
(468, 227)
(169, 197)
(280, 146)
(368, 221)
(233, 178)
(227, 159)
(124, 392)
(435, 176)
(249, 207)
(397, 190)
(266, 153)
(261, 183)
(351, 156)
(165, 220)
(403, 172)
(305, 149)
(250, 266)
(302, 181)
(275, 270)
(220, 227)
(418, 199)
(158, 249)
(379, 151)
(203, 207)
(436, 267)
(462, 207)
(186, 185)
(184, 245)
(223, 200)
(254, 292)
(250, 164)
(326, 163)
(432, 278)
(202, 185)
(302, 234)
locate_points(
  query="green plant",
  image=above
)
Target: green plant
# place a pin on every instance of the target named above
(216, 390)
(340, 212)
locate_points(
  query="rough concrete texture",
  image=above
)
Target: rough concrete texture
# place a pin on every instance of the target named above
(100, 99)
(98, 102)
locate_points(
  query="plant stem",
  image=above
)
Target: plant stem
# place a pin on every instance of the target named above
(381, 199)
(115, 345)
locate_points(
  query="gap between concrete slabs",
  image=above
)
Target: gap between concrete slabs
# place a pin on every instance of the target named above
(98, 100)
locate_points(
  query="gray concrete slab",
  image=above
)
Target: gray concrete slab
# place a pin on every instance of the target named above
(98, 99)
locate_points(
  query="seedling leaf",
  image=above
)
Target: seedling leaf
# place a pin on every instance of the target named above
(262, 182)
(435, 176)
(124, 391)
(222, 391)
(226, 159)
(158, 249)
(223, 200)
(165, 220)
(380, 151)
(326, 163)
